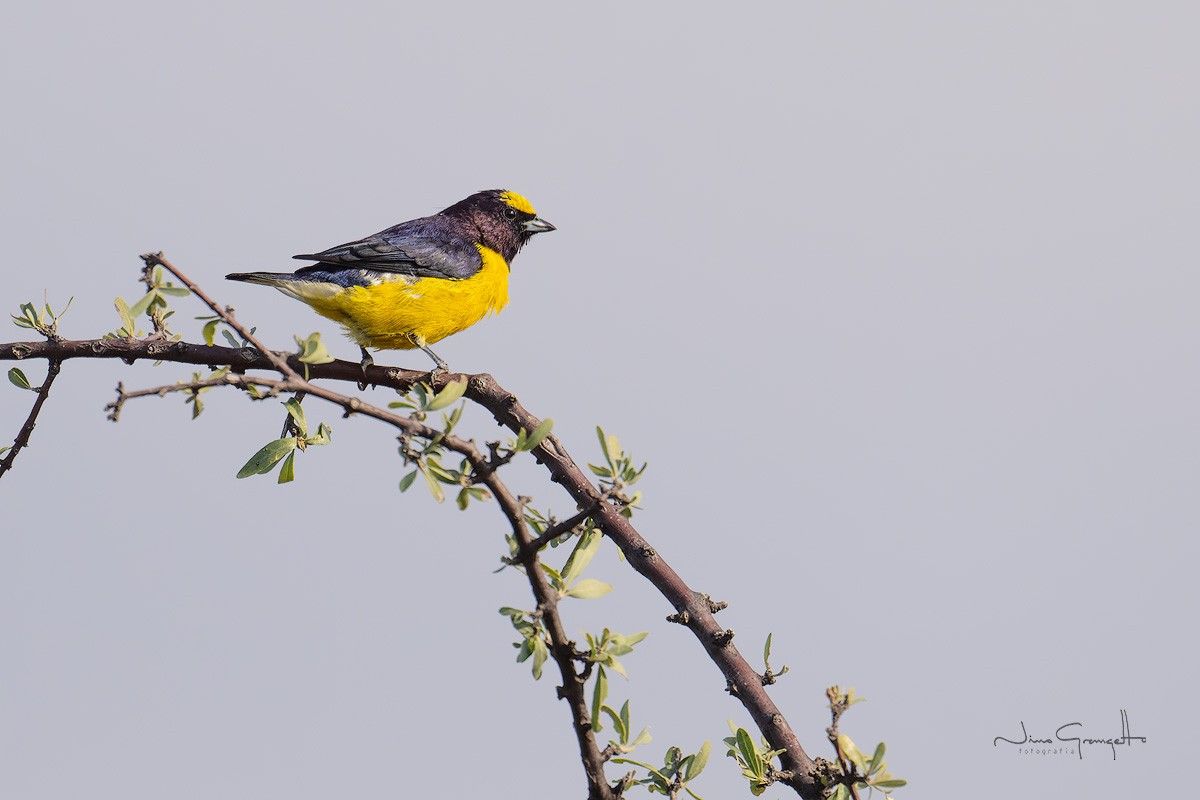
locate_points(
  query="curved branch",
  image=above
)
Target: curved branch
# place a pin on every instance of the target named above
(561, 646)
(693, 608)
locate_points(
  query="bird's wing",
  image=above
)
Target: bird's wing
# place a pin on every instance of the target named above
(404, 251)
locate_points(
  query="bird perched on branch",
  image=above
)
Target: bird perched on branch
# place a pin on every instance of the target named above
(420, 281)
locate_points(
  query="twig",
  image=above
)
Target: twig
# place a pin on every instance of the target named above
(837, 707)
(26, 431)
(559, 529)
(226, 316)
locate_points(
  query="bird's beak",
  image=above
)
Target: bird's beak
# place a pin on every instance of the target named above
(537, 225)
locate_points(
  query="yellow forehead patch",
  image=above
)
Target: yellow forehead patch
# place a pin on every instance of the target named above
(518, 202)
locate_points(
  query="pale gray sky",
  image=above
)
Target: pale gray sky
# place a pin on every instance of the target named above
(897, 299)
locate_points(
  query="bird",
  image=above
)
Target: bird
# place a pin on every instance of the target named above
(417, 282)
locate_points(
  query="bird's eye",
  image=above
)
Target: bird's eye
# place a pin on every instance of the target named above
(511, 213)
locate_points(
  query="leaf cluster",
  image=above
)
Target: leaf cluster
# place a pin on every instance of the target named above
(427, 455)
(618, 472)
(869, 773)
(675, 773)
(284, 448)
(755, 761)
(43, 320)
(153, 304)
(534, 638)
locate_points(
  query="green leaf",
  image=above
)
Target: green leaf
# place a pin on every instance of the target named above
(632, 639)
(616, 666)
(767, 650)
(877, 757)
(624, 720)
(422, 394)
(441, 473)
(463, 499)
(18, 379)
(581, 556)
(435, 488)
(174, 291)
(892, 783)
(313, 351)
(126, 318)
(209, 331)
(539, 434)
(265, 459)
(749, 753)
(589, 588)
(234, 343)
(698, 762)
(850, 750)
(323, 436)
(296, 412)
(599, 695)
(139, 308)
(540, 654)
(604, 439)
(449, 395)
(614, 718)
(287, 473)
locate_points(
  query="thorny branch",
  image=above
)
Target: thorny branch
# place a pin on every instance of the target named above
(692, 608)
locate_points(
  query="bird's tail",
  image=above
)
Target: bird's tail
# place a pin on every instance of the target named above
(263, 278)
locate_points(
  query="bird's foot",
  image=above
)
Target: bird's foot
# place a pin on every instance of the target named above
(367, 361)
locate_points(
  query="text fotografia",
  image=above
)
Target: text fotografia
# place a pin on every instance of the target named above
(1069, 740)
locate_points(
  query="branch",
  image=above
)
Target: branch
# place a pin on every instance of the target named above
(693, 608)
(558, 529)
(562, 648)
(225, 314)
(26, 431)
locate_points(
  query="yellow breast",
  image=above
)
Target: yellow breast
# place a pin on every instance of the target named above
(386, 314)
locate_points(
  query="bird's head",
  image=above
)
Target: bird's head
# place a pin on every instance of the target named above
(505, 220)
